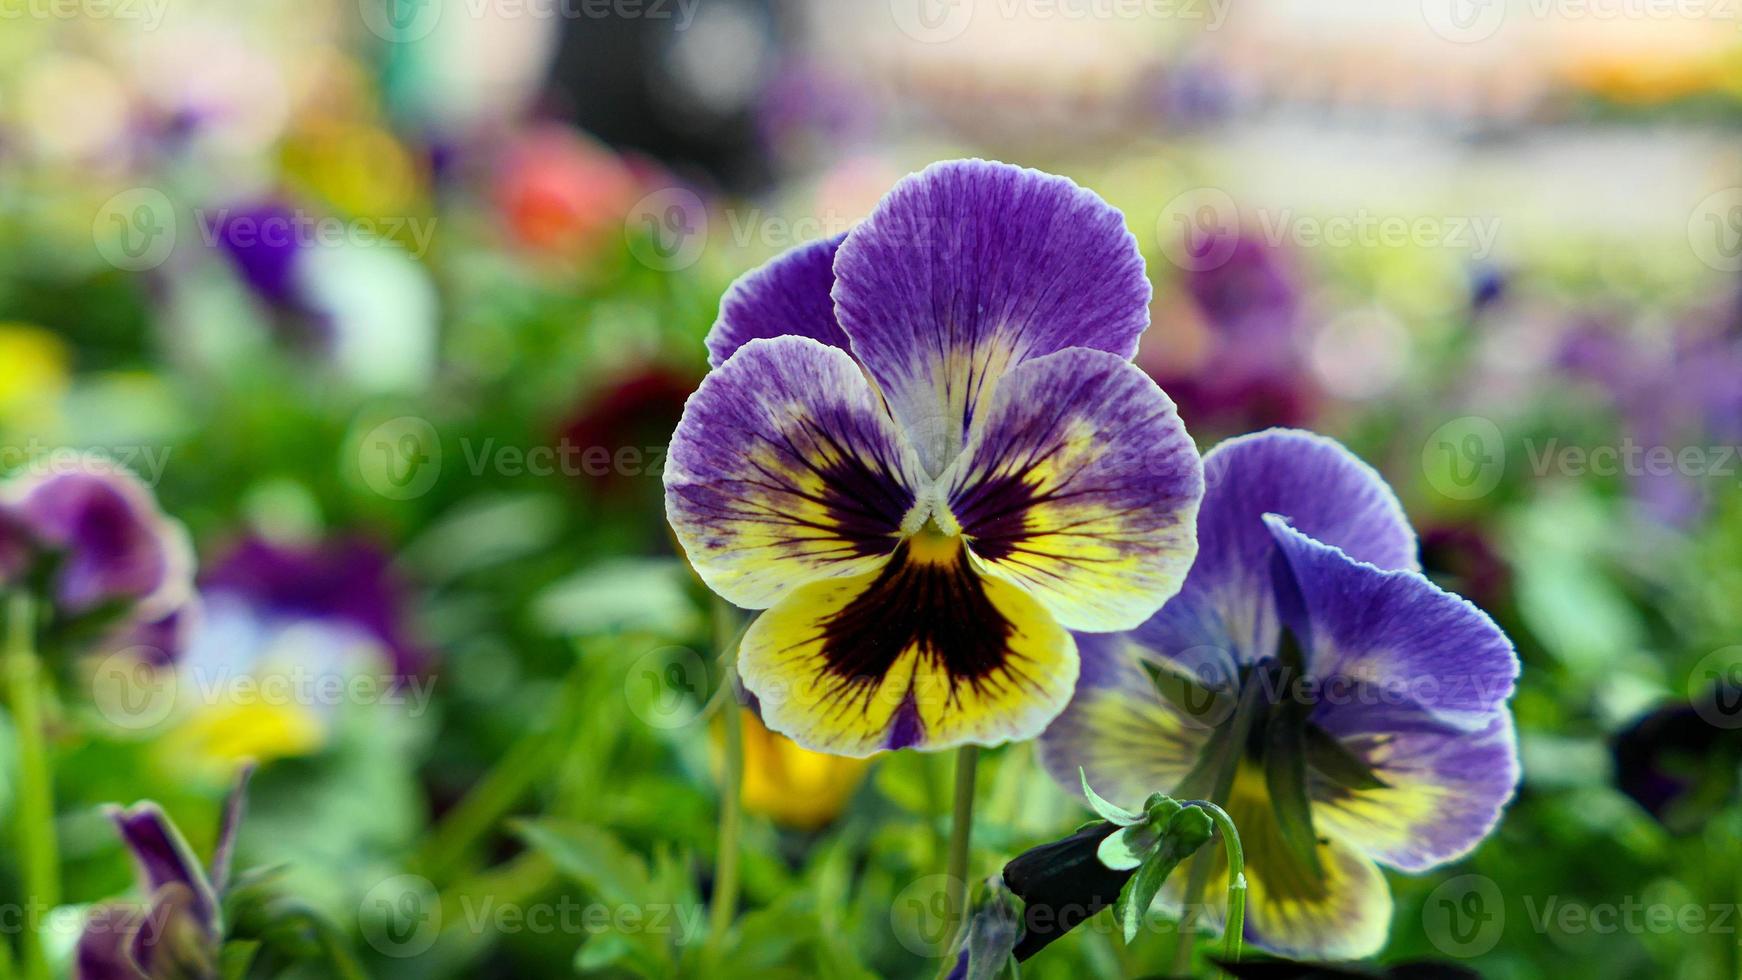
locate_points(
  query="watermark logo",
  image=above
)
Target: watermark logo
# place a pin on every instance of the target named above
(1715, 688)
(667, 687)
(135, 230)
(1465, 458)
(667, 229)
(932, 21)
(401, 458)
(1715, 230)
(401, 916)
(1464, 916)
(132, 691)
(1464, 21)
(1199, 228)
(400, 21)
(920, 916)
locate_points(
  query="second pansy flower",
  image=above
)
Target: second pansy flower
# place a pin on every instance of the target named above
(925, 452)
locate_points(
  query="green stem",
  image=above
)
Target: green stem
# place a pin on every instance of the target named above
(961, 832)
(1226, 765)
(1231, 936)
(35, 816)
(725, 904)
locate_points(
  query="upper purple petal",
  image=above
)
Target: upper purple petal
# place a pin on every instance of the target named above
(970, 267)
(1323, 489)
(787, 296)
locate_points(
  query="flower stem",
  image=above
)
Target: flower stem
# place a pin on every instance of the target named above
(1231, 935)
(1223, 774)
(725, 904)
(961, 832)
(35, 813)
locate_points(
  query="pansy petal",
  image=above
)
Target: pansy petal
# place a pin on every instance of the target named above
(967, 269)
(1444, 786)
(924, 652)
(786, 296)
(1395, 635)
(784, 469)
(1345, 914)
(1128, 740)
(115, 545)
(1080, 484)
(105, 947)
(164, 858)
(1324, 490)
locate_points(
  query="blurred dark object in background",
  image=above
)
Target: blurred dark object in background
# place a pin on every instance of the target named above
(1680, 761)
(683, 87)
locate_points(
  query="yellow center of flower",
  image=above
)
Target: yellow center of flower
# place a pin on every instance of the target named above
(930, 545)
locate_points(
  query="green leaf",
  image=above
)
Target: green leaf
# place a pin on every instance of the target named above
(592, 856)
(1333, 760)
(1139, 893)
(235, 957)
(615, 875)
(1125, 849)
(1110, 812)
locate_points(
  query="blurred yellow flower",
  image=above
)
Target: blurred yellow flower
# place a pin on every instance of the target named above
(218, 738)
(792, 785)
(34, 365)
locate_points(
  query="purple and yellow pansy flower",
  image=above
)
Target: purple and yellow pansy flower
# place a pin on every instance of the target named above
(1345, 711)
(925, 452)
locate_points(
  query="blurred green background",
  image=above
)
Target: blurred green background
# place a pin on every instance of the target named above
(428, 280)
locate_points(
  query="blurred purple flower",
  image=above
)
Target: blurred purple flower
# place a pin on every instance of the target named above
(1684, 392)
(261, 241)
(94, 535)
(179, 929)
(637, 409)
(1251, 372)
(345, 581)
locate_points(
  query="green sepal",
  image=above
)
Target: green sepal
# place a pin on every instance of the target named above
(1205, 706)
(1125, 849)
(1110, 812)
(1285, 761)
(1333, 760)
(1185, 832)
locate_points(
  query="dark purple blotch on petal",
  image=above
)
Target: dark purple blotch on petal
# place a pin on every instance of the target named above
(940, 608)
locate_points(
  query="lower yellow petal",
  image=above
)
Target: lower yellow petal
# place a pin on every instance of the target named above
(925, 653)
